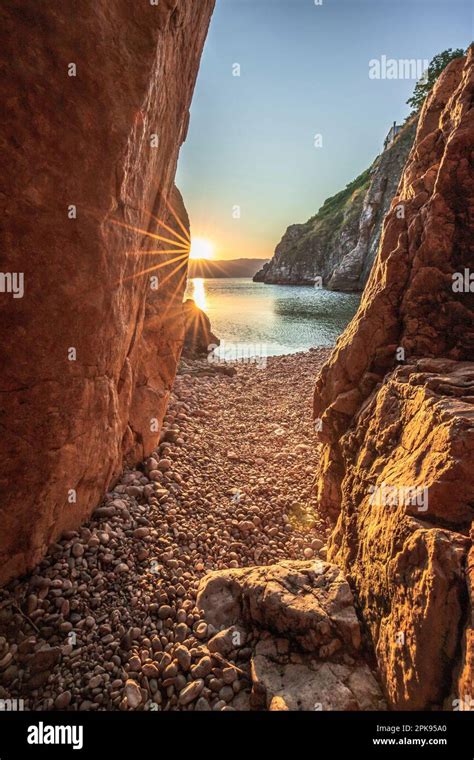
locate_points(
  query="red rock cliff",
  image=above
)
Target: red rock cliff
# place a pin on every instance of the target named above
(396, 403)
(97, 97)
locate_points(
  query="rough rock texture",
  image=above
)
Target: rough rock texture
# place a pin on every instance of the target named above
(308, 684)
(340, 242)
(466, 680)
(308, 656)
(161, 340)
(309, 601)
(397, 469)
(198, 333)
(87, 141)
(353, 270)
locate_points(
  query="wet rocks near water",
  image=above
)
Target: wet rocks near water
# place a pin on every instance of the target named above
(198, 334)
(109, 619)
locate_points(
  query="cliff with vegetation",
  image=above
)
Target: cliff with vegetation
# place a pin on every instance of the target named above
(395, 404)
(339, 243)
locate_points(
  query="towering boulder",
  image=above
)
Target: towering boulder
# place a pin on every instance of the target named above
(97, 99)
(396, 405)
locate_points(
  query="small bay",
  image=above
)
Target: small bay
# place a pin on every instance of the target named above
(276, 319)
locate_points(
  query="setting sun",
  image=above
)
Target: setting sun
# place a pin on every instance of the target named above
(201, 248)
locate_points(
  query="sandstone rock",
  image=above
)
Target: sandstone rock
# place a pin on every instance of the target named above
(309, 601)
(315, 685)
(227, 640)
(319, 664)
(198, 334)
(397, 465)
(241, 701)
(226, 694)
(183, 656)
(151, 670)
(465, 687)
(191, 692)
(63, 700)
(141, 532)
(171, 671)
(44, 659)
(202, 668)
(202, 705)
(102, 347)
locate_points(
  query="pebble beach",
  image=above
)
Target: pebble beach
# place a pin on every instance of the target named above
(108, 620)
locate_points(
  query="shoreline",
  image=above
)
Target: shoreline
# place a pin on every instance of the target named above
(214, 361)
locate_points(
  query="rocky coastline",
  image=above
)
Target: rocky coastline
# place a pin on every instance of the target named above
(336, 248)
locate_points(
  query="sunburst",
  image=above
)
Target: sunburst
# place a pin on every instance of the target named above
(177, 249)
(201, 248)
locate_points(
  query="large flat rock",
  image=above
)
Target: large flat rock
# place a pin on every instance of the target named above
(310, 654)
(309, 601)
(313, 685)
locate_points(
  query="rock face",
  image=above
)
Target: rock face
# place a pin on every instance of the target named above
(340, 242)
(312, 685)
(97, 109)
(395, 402)
(308, 656)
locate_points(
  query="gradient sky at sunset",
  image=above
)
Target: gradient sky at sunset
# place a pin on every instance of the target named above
(304, 70)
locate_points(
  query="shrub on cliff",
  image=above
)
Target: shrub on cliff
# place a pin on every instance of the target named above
(425, 84)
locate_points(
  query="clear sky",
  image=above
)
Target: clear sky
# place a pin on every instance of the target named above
(304, 70)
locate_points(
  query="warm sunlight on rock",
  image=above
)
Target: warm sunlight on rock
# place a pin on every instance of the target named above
(237, 375)
(201, 248)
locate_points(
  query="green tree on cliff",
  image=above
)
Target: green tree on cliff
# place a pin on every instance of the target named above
(424, 85)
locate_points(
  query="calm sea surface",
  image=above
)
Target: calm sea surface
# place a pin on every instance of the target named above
(276, 319)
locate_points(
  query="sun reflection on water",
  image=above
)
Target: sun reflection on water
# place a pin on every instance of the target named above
(199, 292)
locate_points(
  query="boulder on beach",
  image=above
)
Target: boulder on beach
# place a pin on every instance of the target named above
(309, 654)
(198, 335)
